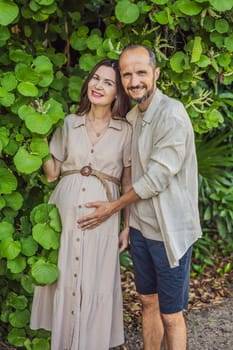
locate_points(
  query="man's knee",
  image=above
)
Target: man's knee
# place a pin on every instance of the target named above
(149, 301)
(172, 320)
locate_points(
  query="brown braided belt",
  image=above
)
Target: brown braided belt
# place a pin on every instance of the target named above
(87, 171)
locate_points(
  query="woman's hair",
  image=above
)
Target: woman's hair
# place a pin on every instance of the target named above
(120, 106)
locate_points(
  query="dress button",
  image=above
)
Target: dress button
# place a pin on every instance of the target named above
(78, 239)
(92, 151)
(77, 258)
(80, 206)
(72, 312)
(73, 293)
(83, 189)
(75, 275)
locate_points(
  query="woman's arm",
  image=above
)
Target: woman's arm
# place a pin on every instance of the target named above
(52, 168)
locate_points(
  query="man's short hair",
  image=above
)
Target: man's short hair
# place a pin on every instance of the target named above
(148, 49)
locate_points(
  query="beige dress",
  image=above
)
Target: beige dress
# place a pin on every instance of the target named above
(83, 309)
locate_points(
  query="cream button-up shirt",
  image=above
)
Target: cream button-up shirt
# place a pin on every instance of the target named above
(166, 150)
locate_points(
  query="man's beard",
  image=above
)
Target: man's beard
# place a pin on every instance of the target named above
(142, 99)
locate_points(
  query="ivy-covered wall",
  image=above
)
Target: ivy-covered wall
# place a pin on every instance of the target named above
(46, 49)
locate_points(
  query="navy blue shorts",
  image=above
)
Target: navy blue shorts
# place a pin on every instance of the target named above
(153, 273)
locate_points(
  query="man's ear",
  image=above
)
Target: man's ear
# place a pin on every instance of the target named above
(157, 73)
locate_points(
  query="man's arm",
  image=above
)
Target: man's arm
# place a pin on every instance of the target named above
(103, 210)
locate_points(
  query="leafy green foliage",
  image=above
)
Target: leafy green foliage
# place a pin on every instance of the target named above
(47, 47)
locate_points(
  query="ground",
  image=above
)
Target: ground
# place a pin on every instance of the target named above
(209, 317)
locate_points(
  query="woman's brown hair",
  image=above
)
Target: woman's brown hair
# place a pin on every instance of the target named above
(120, 106)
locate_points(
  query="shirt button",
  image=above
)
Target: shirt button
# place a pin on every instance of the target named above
(73, 293)
(83, 189)
(75, 275)
(79, 206)
(72, 312)
(92, 151)
(78, 239)
(77, 258)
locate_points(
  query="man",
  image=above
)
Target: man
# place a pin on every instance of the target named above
(164, 201)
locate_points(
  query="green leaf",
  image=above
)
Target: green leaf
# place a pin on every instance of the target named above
(8, 181)
(44, 68)
(6, 230)
(18, 302)
(27, 89)
(8, 81)
(45, 236)
(78, 43)
(16, 337)
(74, 88)
(9, 248)
(224, 59)
(44, 273)
(221, 25)
(38, 123)
(8, 12)
(94, 41)
(25, 73)
(40, 343)
(188, 7)
(27, 284)
(87, 61)
(25, 162)
(159, 2)
(28, 246)
(55, 221)
(126, 11)
(19, 319)
(4, 35)
(112, 32)
(39, 147)
(17, 265)
(177, 62)
(18, 55)
(14, 200)
(2, 202)
(45, 2)
(162, 17)
(40, 213)
(54, 110)
(228, 42)
(204, 61)
(8, 100)
(4, 137)
(217, 39)
(197, 49)
(223, 5)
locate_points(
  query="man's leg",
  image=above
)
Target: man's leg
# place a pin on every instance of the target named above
(175, 331)
(152, 326)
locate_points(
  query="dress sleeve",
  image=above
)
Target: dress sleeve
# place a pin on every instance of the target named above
(127, 147)
(58, 143)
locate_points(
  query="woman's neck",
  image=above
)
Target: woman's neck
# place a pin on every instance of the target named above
(99, 114)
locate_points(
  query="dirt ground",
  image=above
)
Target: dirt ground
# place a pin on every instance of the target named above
(209, 317)
(210, 328)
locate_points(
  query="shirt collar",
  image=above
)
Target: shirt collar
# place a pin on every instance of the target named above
(114, 123)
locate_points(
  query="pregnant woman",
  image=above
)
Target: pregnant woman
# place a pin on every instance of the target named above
(90, 154)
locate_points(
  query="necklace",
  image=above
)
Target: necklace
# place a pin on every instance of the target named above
(99, 132)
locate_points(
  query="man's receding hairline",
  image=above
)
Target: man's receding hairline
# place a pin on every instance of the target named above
(148, 51)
